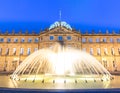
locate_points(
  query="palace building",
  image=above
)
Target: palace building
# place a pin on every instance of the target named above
(14, 48)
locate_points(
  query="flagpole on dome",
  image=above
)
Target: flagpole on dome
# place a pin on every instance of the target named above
(60, 17)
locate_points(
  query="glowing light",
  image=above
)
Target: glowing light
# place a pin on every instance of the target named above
(60, 61)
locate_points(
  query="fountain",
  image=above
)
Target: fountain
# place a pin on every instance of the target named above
(60, 64)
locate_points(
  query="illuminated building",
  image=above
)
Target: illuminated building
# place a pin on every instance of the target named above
(14, 48)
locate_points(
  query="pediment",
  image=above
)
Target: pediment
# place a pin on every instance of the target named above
(60, 30)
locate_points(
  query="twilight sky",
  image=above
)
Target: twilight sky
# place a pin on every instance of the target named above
(80, 14)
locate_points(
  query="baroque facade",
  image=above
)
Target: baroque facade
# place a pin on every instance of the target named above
(14, 48)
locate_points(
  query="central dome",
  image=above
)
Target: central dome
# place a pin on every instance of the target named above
(60, 23)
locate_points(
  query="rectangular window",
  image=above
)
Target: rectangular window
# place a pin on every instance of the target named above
(0, 51)
(60, 38)
(14, 51)
(118, 40)
(90, 40)
(104, 40)
(97, 40)
(51, 37)
(29, 40)
(105, 51)
(8, 40)
(112, 51)
(22, 40)
(79, 39)
(36, 40)
(28, 51)
(16, 40)
(119, 51)
(91, 51)
(7, 51)
(111, 40)
(83, 40)
(68, 37)
(1, 39)
(21, 51)
(98, 51)
(41, 38)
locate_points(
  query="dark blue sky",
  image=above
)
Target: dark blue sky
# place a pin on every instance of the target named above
(39, 14)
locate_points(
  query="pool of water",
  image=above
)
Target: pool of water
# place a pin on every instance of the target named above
(5, 81)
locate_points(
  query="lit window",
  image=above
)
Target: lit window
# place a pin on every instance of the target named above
(97, 40)
(60, 38)
(112, 51)
(41, 38)
(98, 51)
(84, 49)
(7, 51)
(35, 49)
(111, 40)
(83, 40)
(91, 51)
(16, 40)
(68, 37)
(119, 51)
(104, 40)
(22, 40)
(21, 51)
(105, 63)
(8, 40)
(90, 40)
(14, 51)
(29, 40)
(28, 51)
(0, 51)
(1, 40)
(105, 51)
(118, 40)
(79, 39)
(36, 40)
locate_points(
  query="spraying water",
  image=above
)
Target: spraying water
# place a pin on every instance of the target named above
(60, 62)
